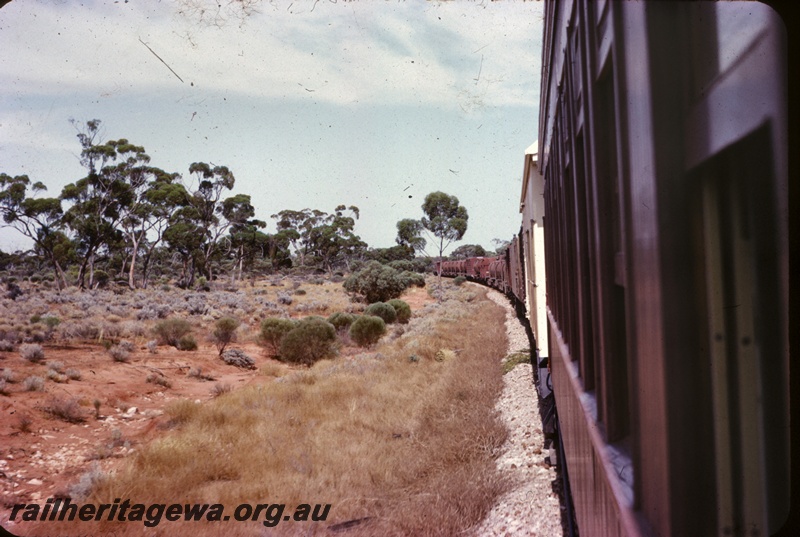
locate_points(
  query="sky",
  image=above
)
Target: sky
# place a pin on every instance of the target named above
(311, 104)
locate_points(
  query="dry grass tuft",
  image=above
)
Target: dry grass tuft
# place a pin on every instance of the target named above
(68, 410)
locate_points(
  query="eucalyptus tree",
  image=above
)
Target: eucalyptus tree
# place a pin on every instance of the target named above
(117, 173)
(409, 234)
(469, 250)
(326, 239)
(185, 236)
(39, 219)
(245, 239)
(144, 221)
(210, 210)
(332, 241)
(445, 221)
(296, 227)
(278, 249)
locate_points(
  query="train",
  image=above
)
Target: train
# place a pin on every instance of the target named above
(653, 264)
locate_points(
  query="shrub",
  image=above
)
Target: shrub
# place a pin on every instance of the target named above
(403, 265)
(458, 280)
(420, 264)
(238, 358)
(383, 310)
(273, 331)
(66, 409)
(151, 311)
(51, 322)
(6, 345)
(311, 340)
(187, 343)
(414, 279)
(221, 389)
(55, 376)
(376, 282)
(24, 423)
(88, 482)
(158, 379)
(225, 332)
(402, 309)
(73, 374)
(341, 320)
(284, 298)
(33, 384)
(170, 331)
(7, 375)
(367, 330)
(152, 346)
(83, 330)
(119, 353)
(196, 306)
(32, 352)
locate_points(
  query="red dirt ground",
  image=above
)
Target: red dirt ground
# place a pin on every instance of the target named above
(50, 454)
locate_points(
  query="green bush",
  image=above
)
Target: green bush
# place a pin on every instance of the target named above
(273, 331)
(341, 320)
(402, 265)
(413, 279)
(51, 322)
(458, 280)
(170, 331)
(187, 343)
(383, 310)
(367, 330)
(419, 264)
(402, 309)
(311, 340)
(376, 282)
(224, 332)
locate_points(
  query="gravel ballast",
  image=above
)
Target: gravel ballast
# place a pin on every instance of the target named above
(531, 507)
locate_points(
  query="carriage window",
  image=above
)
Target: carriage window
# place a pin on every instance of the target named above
(744, 320)
(583, 268)
(614, 404)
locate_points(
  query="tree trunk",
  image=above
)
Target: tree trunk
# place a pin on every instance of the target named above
(134, 254)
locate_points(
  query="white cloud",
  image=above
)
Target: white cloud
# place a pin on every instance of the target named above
(412, 52)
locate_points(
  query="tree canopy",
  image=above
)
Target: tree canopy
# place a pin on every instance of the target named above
(130, 221)
(444, 220)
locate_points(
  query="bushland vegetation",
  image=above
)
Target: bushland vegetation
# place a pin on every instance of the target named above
(396, 439)
(128, 222)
